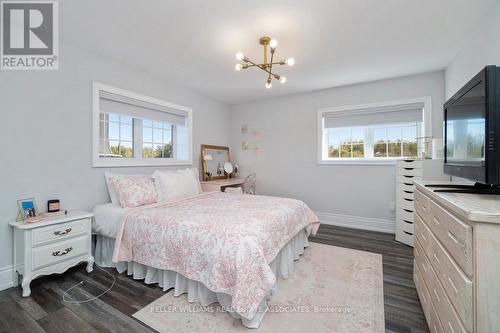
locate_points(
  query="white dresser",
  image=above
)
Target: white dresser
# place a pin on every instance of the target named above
(51, 246)
(457, 260)
(407, 172)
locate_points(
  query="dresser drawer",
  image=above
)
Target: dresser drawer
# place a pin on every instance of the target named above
(407, 178)
(457, 285)
(407, 187)
(447, 315)
(406, 215)
(422, 233)
(404, 237)
(422, 206)
(434, 323)
(408, 171)
(410, 164)
(455, 235)
(421, 261)
(50, 254)
(61, 231)
(406, 226)
(406, 203)
(422, 291)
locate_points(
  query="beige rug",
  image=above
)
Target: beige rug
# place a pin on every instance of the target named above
(332, 289)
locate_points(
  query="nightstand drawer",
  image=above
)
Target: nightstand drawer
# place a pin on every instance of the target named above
(60, 231)
(419, 164)
(60, 251)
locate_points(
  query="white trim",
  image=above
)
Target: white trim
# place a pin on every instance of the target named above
(6, 277)
(123, 162)
(426, 100)
(357, 222)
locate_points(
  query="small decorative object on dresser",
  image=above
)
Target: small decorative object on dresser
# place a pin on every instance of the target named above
(51, 246)
(53, 206)
(407, 172)
(456, 267)
(27, 209)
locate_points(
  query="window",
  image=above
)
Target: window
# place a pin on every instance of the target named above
(132, 129)
(377, 133)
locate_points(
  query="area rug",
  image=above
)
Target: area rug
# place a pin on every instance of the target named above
(332, 289)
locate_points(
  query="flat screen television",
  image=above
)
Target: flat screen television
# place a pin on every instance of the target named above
(472, 130)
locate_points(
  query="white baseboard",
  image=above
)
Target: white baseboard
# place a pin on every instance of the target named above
(357, 222)
(6, 278)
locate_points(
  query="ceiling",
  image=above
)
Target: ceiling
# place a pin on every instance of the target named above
(334, 42)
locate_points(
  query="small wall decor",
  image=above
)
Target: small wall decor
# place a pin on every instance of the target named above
(244, 129)
(27, 209)
(256, 135)
(244, 145)
(53, 206)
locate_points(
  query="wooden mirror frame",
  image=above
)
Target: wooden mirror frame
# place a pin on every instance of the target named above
(204, 164)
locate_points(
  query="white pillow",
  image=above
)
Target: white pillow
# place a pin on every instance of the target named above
(113, 193)
(177, 183)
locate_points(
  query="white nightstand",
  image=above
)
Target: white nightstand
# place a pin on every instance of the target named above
(51, 246)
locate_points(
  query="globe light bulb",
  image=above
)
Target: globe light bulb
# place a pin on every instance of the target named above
(269, 85)
(273, 43)
(239, 56)
(290, 61)
(238, 67)
(283, 79)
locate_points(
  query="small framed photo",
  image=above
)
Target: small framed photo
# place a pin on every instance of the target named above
(27, 208)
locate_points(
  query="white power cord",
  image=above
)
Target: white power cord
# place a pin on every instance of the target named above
(90, 299)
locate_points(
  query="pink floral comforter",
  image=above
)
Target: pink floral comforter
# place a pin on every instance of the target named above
(225, 241)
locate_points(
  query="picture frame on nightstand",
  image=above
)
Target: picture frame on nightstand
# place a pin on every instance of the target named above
(27, 209)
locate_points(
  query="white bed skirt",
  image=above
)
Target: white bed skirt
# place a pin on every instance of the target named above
(282, 266)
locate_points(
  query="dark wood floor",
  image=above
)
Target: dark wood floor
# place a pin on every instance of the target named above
(45, 311)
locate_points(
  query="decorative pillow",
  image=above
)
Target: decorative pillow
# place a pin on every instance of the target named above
(177, 183)
(113, 194)
(135, 191)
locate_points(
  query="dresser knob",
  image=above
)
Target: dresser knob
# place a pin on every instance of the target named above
(60, 233)
(59, 253)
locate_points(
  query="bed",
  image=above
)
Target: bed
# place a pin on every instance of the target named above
(216, 247)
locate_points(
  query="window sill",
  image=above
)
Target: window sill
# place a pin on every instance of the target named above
(138, 163)
(359, 162)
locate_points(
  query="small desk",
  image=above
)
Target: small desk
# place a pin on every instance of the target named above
(221, 184)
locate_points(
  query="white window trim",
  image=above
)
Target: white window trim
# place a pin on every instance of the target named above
(427, 101)
(127, 162)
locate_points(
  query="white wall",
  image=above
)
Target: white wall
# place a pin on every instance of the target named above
(45, 133)
(287, 165)
(482, 48)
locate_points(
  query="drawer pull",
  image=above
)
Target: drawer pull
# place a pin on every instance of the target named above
(408, 184)
(408, 199)
(435, 257)
(408, 222)
(408, 233)
(409, 168)
(60, 233)
(407, 210)
(452, 236)
(59, 253)
(435, 293)
(406, 176)
(453, 285)
(409, 192)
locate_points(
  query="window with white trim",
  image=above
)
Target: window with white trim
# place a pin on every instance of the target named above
(132, 129)
(371, 133)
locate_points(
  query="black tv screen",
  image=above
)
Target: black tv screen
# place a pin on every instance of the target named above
(471, 127)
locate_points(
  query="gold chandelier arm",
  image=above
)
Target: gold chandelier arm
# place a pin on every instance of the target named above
(260, 66)
(271, 66)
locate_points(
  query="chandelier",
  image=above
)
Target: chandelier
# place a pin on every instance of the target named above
(267, 66)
